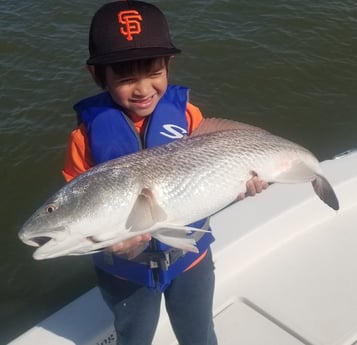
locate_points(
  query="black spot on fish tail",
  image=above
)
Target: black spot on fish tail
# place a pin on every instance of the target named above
(325, 192)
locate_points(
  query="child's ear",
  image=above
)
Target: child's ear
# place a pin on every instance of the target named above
(167, 64)
(169, 60)
(91, 70)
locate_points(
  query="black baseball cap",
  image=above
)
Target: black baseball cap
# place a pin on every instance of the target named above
(128, 30)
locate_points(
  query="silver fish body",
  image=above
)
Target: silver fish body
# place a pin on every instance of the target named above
(162, 189)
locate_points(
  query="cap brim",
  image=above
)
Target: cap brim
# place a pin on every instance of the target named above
(132, 54)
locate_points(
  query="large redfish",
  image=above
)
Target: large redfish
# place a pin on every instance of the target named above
(160, 190)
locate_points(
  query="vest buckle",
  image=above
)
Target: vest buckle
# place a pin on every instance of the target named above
(160, 259)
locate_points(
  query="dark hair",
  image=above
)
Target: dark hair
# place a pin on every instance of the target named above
(128, 68)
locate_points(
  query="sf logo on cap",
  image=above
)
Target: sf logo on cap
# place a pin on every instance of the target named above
(130, 21)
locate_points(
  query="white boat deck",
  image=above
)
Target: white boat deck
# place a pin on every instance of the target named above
(286, 269)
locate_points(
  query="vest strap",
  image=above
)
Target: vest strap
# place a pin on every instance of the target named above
(157, 273)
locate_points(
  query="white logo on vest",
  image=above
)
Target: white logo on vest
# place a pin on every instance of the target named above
(173, 131)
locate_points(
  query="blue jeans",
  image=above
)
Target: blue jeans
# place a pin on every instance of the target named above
(188, 302)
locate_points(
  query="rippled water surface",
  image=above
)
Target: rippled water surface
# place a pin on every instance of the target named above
(288, 66)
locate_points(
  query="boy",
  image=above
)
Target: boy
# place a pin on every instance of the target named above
(130, 50)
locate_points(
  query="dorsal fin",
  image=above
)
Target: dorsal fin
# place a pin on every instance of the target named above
(211, 125)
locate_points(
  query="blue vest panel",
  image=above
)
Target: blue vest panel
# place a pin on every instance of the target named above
(111, 134)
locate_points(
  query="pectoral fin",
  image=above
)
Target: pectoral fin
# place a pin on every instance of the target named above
(145, 212)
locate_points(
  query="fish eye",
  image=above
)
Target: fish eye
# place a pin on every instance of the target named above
(50, 208)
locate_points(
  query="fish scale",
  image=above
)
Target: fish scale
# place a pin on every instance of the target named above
(167, 187)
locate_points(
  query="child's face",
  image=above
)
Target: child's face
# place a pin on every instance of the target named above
(139, 93)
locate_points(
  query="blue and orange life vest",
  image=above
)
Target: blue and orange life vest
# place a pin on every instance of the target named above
(111, 134)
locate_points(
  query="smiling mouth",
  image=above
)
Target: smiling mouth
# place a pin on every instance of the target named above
(144, 101)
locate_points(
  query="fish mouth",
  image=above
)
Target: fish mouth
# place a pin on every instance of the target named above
(40, 238)
(49, 247)
(38, 241)
(61, 242)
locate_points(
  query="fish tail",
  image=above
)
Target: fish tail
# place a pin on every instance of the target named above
(325, 192)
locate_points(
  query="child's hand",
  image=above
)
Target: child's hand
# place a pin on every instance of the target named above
(131, 247)
(254, 186)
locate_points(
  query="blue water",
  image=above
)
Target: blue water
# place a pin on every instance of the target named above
(287, 66)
